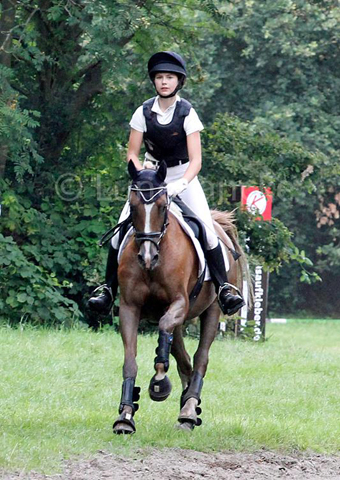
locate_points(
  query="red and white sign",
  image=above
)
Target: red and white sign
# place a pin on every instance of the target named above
(257, 202)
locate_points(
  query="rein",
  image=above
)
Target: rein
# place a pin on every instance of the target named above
(110, 233)
(153, 237)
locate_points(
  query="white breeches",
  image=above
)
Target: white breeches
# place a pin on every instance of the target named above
(193, 196)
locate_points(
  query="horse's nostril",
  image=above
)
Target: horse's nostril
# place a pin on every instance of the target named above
(140, 259)
(154, 261)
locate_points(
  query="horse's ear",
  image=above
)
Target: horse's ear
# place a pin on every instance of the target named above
(161, 172)
(133, 172)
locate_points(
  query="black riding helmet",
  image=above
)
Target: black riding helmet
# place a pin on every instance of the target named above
(168, 62)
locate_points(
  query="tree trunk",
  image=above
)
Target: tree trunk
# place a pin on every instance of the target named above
(7, 22)
(54, 131)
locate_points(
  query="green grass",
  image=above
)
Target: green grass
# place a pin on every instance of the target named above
(59, 393)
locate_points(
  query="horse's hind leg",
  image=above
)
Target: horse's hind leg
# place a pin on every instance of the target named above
(182, 357)
(191, 396)
(129, 319)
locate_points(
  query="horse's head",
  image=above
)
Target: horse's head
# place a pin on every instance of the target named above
(149, 211)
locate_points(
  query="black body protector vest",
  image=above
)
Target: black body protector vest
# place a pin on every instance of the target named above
(167, 142)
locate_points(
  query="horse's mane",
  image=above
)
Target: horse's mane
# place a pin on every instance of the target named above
(226, 220)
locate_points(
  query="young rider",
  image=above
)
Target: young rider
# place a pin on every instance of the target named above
(170, 129)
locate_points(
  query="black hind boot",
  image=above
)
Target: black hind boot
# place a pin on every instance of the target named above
(228, 302)
(103, 302)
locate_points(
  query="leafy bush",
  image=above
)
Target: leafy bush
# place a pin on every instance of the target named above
(16, 126)
(239, 153)
(49, 257)
(29, 292)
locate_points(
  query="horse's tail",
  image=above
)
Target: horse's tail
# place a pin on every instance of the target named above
(226, 220)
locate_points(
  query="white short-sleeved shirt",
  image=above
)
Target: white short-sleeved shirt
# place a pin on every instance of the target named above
(192, 123)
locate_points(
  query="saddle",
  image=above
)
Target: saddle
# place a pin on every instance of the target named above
(194, 222)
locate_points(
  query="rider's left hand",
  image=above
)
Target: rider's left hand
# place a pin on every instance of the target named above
(148, 164)
(177, 187)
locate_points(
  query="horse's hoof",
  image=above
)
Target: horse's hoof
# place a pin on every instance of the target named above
(188, 423)
(124, 425)
(123, 429)
(185, 426)
(189, 416)
(159, 390)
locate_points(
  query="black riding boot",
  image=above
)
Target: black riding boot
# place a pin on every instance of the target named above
(228, 302)
(103, 302)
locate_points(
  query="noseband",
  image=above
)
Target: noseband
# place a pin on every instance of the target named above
(153, 237)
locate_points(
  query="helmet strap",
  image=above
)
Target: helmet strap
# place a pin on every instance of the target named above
(171, 94)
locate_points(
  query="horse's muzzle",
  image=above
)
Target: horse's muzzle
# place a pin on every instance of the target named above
(148, 256)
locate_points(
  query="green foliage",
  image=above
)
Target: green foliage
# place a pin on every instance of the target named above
(276, 64)
(16, 126)
(62, 58)
(240, 153)
(31, 293)
(279, 65)
(51, 259)
(80, 70)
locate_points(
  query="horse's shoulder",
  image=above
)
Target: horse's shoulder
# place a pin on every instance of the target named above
(173, 220)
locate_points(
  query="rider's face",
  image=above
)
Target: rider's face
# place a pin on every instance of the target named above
(165, 82)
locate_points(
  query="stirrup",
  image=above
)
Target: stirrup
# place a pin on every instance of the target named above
(236, 307)
(94, 301)
(103, 287)
(228, 286)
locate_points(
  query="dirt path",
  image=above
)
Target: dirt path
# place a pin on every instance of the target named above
(176, 464)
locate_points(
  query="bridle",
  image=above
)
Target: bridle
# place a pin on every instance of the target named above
(153, 237)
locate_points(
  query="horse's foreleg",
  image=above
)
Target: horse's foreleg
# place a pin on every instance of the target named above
(191, 396)
(160, 385)
(128, 319)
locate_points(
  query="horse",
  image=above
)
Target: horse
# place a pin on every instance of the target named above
(158, 270)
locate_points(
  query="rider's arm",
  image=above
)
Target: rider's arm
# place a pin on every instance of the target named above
(195, 155)
(134, 146)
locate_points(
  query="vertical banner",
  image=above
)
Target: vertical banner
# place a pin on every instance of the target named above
(253, 322)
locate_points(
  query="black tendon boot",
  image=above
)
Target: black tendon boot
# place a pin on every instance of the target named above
(103, 302)
(228, 302)
(130, 395)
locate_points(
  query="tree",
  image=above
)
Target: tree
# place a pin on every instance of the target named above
(67, 61)
(76, 73)
(276, 64)
(6, 24)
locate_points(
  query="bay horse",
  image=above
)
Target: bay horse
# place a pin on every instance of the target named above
(158, 270)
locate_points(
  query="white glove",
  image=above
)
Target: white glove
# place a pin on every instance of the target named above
(148, 164)
(177, 187)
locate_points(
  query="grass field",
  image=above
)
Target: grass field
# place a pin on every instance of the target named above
(59, 394)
